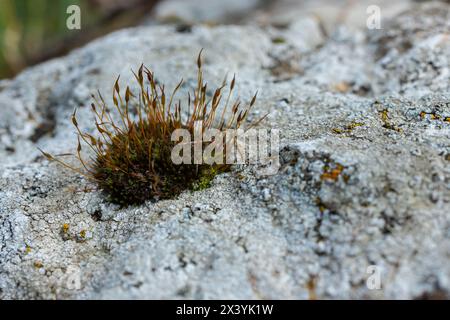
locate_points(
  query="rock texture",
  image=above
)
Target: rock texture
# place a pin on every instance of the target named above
(364, 118)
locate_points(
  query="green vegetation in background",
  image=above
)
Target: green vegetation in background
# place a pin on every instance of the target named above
(29, 26)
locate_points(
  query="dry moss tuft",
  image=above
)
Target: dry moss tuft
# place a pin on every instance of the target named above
(132, 156)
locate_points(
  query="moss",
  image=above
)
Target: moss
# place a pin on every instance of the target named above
(319, 203)
(205, 178)
(132, 161)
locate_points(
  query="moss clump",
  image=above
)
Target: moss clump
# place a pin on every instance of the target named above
(132, 156)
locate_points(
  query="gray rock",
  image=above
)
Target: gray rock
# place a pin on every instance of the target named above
(204, 11)
(364, 177)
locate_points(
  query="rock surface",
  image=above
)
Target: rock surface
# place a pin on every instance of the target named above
(364, 118)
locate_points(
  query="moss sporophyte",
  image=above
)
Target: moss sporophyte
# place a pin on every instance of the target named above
(131, 160)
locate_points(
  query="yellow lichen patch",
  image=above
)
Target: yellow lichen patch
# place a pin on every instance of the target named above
(27, 249)
(332, 174)
(83, 234)
(320, 205)
(346, 178)
(348, 128)
(65, 227)
(384, 114)
(433, 116)
(354, 125)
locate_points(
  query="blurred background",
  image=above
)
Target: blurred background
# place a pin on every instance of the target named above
(32, 31)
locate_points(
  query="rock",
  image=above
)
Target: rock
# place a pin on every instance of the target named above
(413, 52)
(364, 180)
(352, 14)
(204, 11)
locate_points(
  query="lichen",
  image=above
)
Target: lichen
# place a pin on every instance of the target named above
(348, 128)
(384, 114)
(332, 174)
(65, 228)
